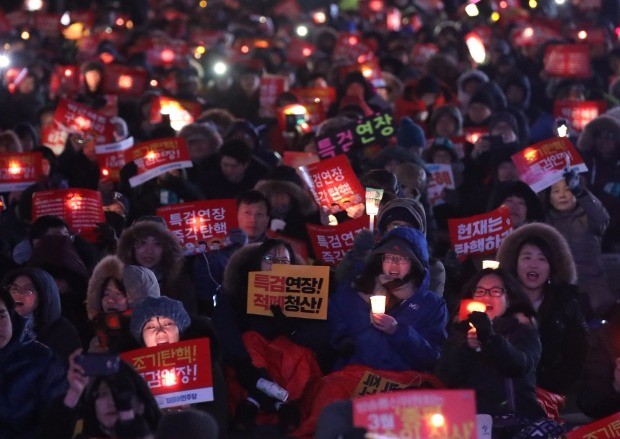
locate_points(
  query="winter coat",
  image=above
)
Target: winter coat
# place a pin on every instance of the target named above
(583, 228)
(51, 329)
(503, 373)
(232, 320)
(139, 283)
(561, 323)
(421, 318)
(31, 377)
(174, 281)
(603, 175)
(596, 396)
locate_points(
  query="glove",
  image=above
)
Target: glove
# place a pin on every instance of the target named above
(123, 390)
(346, 348)
(282, 323)
(461, 327)
(483, 325)
(364, 242)
(573, 181)
(248, 375)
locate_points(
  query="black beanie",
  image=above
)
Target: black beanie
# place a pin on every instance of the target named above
(484, 97)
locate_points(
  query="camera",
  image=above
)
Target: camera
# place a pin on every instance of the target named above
(99, 364)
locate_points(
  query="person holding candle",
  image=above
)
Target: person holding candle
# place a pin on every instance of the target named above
(495, 352)
(402, 343)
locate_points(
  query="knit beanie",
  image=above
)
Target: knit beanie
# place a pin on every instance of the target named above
(484, 97)
(403, 209)
(410, 134)
(506, 117)
(154, 307)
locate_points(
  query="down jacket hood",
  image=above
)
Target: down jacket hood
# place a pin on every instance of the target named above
(139, 283)
(48, 308)
(172, 255)
(562, 263)
(596, 126)
(304, 202)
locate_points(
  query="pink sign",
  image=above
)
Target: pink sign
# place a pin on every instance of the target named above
(419, 414)
(543, 163)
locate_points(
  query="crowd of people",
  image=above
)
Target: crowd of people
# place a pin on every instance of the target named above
(544, 346)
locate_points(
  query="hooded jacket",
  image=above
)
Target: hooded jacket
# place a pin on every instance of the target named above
(562, 327)
(31, 377)
(421, 318)
(173, 281)
(50, 327)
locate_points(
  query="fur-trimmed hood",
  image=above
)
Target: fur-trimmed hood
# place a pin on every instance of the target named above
(172, 256)
(139, 283)
(596, 126)
(562, 262)
(305, 203)
(241, 263)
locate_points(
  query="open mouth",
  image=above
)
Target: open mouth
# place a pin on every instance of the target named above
(533, 276)
(18, 303)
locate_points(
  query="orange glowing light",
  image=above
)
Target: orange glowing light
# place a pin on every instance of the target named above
(438, 420)
(531, 155)
(306, 51)
(476, 305)
(106, 57)
(503, 4)
(245, 49)
(125, 81)
(105, 172)
(82, 123)
(14, 168)
(367, 72)
(120, 21)
(151, 155)
(75, 202)
(169, 378)
(68, 72)
(353, 40)
(262, 44)
(376, 5)
(167, 55)
(361, 59)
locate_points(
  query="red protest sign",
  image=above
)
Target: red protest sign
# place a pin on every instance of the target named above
(567, 60)
(333, 184)
(54, 137)
(299, 50)
(18, 170)
(178, 373)
(181, 111)
(578, 113)
(197, 224)
(441, 179)
(271, 86)
(80, 208)
(298, 245)
(123, 80)
(166, 52)
(351, 48)
(603, 428)
(111, 158)
(82, 118)
(331, 243)
(479, 234)
(316, 100)
(418, 414)
(156, 157)
(543, 163)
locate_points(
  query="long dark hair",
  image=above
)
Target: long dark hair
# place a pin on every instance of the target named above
(518, 301)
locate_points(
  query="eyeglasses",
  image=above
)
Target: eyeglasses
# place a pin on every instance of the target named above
(16, 289)
(275, 260)
(400, 260)
(493, 292)
(114, 297)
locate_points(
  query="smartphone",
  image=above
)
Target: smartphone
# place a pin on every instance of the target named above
(99, 364)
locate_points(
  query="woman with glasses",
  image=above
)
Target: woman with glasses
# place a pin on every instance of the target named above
(496, 352)
(540, 258)
(275, 349)
(401, 343)
(37, 300)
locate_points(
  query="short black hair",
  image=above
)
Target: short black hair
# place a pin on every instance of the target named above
(237, 149)
(254, 197)
(44, 223)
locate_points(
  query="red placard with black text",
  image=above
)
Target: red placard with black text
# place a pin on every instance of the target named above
(568, 60)
(18, 170)
(479, 234)
(196, 221)
(331, 243)
(80, 208)
(79, 117)
(156, 157)
(543, 163)
(333, 184)
(578, 113)
(418, 414)
(111, 158)
(177, 374)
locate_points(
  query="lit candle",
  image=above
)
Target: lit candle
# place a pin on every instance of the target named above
(377, 303)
